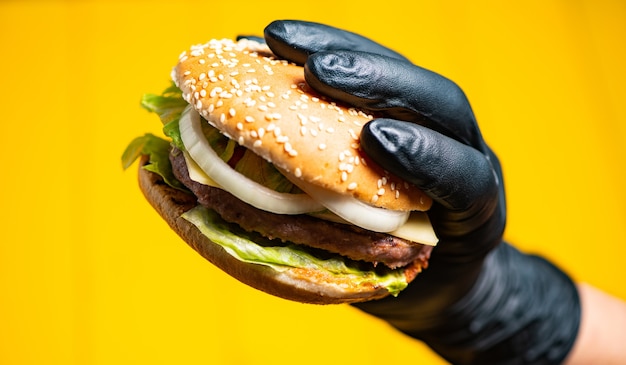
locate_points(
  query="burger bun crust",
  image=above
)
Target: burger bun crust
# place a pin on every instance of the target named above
(266, 105)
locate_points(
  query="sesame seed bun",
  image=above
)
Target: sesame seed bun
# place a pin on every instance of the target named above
(265, 104)
(297, 284)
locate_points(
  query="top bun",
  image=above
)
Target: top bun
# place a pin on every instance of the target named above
(265, 105)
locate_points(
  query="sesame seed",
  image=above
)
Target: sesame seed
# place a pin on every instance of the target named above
(352, 186)
(232, 112)
(303, 118)
(215, 91)
(239, 126)
(249, 119)
(222, 118)
(344, 176)
(381, 191)
(322, 146)
(257, 143)
(298, 172)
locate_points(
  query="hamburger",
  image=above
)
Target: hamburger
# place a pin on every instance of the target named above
(265, 178)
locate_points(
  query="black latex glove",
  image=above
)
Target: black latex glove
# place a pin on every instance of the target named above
(442, 152)
(480, 300)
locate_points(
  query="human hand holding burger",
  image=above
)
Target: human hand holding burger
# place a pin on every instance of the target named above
(283, 225)
(480, 300)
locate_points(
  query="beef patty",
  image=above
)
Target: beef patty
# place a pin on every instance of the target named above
(344, 239)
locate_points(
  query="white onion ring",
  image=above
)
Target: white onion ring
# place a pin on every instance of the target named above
(235, 183)
(353, 210)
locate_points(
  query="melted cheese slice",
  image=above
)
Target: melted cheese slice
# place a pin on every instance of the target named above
(197, 174)
(417, 229)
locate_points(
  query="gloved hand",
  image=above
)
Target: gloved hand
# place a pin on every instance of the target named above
(480, 300)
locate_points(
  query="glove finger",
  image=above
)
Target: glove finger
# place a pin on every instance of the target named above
(395, 89)
(455, 175)
(252, 38)
(295, 40)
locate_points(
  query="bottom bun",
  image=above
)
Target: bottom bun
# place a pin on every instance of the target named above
(296, 284)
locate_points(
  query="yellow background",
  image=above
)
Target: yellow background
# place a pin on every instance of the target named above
(90, 275)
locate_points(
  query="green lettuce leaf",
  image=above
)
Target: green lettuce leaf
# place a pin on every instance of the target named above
(169, 105)
(245, 247)
(158, 151)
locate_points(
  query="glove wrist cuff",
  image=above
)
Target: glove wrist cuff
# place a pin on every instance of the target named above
(522, 310)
